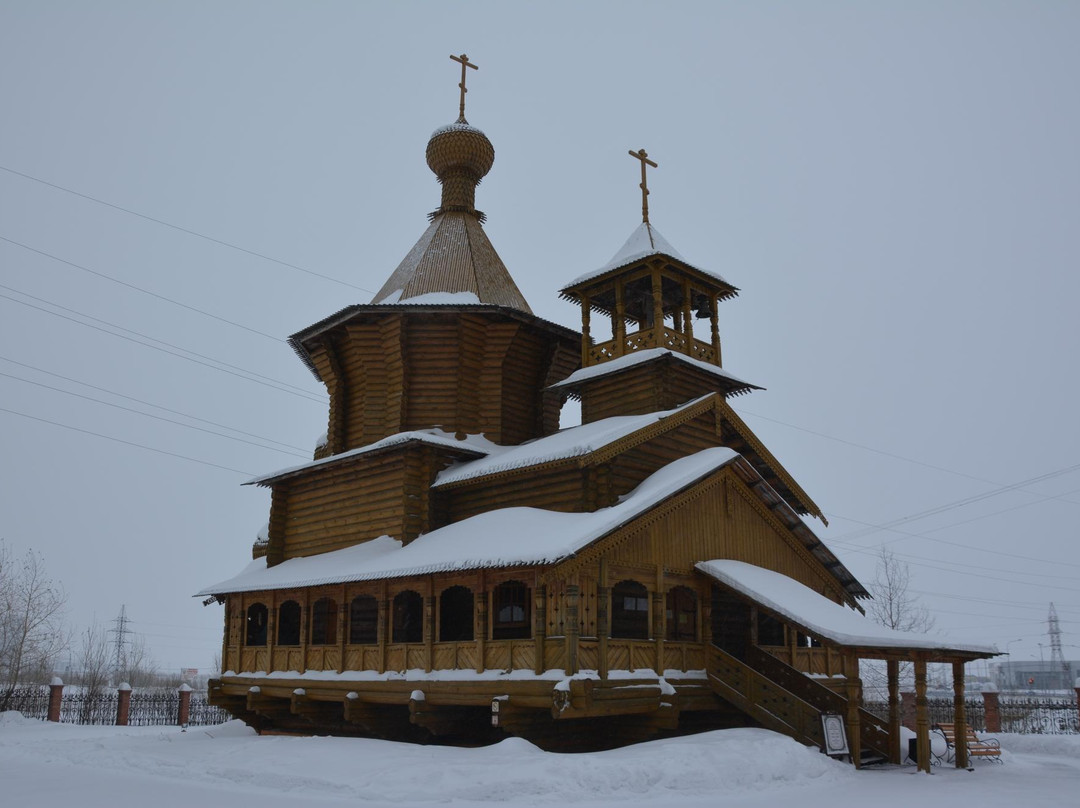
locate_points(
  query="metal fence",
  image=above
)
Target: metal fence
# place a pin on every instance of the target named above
(149, 708)
(1022, 713)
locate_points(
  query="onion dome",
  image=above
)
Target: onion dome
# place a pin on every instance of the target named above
(461, 156)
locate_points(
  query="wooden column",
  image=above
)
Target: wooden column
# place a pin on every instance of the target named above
(896, 754)
(658, 307)
(481, 627)
(658, 630)
(959, 715)
(540, 633)
(382, 630)
(342, 624)
(572, 626)
(618, 323)
(603, 619)
(714, 319)
(688, 318)
(922, 716)
(854, 722)
(429, 630)
(586, 340)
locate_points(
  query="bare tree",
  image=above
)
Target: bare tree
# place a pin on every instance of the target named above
(137, 668)
(94, 662)
(32, 630)
(893, 605)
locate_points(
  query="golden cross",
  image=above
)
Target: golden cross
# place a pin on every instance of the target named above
(643, 156)
(464, 60)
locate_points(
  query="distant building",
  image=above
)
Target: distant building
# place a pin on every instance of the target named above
(1030, 674)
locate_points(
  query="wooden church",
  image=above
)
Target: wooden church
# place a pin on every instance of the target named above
(453, 567)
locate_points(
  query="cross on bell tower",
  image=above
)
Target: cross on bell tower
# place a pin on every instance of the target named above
(643, 156)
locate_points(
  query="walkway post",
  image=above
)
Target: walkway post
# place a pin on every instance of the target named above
(922, 716)
(959, 714)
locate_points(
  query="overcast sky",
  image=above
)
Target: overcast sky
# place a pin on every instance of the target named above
(895, 188)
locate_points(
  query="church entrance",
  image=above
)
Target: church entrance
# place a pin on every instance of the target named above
(730, 623)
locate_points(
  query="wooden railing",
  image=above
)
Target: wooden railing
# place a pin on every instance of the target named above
(643, 340)
(769, 703)
(873, 731)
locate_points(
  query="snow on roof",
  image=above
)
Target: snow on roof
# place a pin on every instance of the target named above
(802, 605)
(574, 441)
(643, 242)
(431, 299)
(433, 437)
(507, 537)
(639, 357)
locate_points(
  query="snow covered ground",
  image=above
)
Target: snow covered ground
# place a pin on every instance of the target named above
(49, 765)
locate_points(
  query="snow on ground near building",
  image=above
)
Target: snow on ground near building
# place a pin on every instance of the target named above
(57, 765)
(805, 607)
(502, 538)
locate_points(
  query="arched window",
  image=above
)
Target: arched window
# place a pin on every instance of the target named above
(363, 619)
(408, 617)
(456, 614)
(630, 611)
(770, 631)
(256, 625)
(510, 615)
(324, 622)
(681, 615)
(288, 623)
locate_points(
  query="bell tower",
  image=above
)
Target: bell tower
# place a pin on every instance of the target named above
(665, 331)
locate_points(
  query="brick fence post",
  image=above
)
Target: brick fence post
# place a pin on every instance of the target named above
(1077, 688)
(56, 695)
(992, 708)
(907, 710)
(183, 713)
(123, 704)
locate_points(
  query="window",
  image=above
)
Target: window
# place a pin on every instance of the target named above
(256, 625)
(681, 615)
(510, 620)
(630, 611)
(408, 617)
(456, 614)
(363, 620)
(288, 627)
(324, 622)
(770, 631)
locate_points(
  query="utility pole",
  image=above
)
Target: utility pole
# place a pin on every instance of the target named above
(1057, 657)
(121, 631)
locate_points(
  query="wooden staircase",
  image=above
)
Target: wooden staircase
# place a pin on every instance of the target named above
(786, 700)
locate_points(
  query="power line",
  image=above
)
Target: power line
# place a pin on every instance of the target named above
(140, 289)
(939, 540)
(190, 232)
(126, 442)
(892, 455)
(956, 504)
(150, 415)
(251, 377)
(147, 403)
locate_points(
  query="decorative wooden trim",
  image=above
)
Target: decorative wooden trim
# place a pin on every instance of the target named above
(744, 431)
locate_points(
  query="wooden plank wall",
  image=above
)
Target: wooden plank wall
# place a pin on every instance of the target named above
(341, 506)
